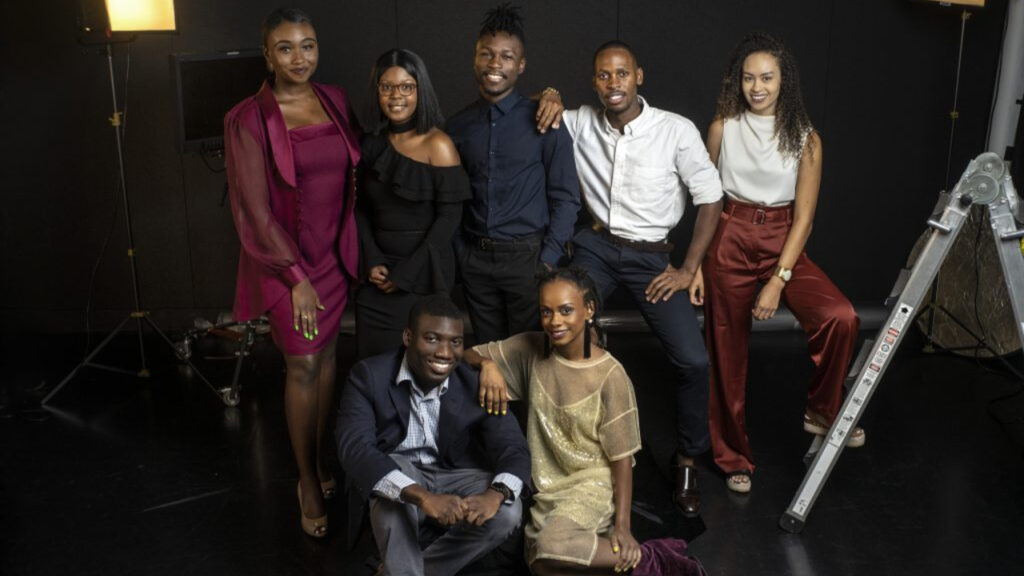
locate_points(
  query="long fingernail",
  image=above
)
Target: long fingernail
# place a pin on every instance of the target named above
(316, 331)
(503, 412)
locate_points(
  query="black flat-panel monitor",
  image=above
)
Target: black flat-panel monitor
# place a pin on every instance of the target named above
(207, 86)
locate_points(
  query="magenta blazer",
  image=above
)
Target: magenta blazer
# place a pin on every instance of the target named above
(264, 197)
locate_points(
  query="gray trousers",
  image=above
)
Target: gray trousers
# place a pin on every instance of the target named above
(396, 526)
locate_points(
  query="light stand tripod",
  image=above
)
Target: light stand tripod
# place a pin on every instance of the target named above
(986, 182)
(137, 314)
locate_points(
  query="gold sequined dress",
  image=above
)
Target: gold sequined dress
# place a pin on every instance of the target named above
(582, 416)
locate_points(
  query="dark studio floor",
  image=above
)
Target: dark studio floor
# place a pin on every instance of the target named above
(129, 476)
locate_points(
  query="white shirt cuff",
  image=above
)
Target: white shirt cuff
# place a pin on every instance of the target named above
(511, 480)
(391, 485)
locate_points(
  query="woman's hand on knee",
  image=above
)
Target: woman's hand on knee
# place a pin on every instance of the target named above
(626, 548)
(768, 300)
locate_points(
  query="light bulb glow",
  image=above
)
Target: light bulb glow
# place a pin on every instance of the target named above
(141, 15)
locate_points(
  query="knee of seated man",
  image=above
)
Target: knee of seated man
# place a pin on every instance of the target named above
(505, 521)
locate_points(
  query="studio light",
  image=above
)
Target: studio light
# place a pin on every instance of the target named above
(132, 16)
(141, 15)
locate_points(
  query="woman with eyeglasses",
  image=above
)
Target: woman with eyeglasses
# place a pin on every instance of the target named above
(291, 150)
(410, 204)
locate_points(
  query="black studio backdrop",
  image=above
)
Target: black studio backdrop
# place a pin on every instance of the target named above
(878, 80)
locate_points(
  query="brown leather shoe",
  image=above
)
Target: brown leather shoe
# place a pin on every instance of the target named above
(686, 495)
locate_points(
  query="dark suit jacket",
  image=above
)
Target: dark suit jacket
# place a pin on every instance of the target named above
(374, 415)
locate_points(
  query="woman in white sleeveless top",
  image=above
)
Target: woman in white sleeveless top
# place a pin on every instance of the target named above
(770, 159)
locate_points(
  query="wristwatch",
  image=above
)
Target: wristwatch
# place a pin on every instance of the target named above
(783, 273)
(507, 495)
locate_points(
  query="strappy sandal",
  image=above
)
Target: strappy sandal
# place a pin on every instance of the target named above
(814, 425)
(315, 527)
(739, 481)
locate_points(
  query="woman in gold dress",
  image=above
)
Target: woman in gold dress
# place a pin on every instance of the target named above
(582, 429)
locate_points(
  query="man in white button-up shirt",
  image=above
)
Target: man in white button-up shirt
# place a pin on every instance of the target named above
(636, 165)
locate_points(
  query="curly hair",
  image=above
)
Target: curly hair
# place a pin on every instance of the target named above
(792, 125)
(503, 18)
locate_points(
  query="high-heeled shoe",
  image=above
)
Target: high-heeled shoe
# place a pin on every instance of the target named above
(315, 527)
(329, 488)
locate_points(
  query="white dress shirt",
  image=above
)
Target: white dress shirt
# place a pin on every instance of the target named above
(635, 182)
(420, 443)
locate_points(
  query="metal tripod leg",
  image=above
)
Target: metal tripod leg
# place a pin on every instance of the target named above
(985, 181)
(232, 395)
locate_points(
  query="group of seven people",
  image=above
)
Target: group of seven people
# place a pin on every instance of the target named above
(491, 196)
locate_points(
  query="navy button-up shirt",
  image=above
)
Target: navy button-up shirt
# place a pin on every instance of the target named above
(524, 182)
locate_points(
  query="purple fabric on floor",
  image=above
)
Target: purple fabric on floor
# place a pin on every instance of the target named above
(666, 557)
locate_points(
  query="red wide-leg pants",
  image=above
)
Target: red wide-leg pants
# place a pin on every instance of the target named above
(743, 255)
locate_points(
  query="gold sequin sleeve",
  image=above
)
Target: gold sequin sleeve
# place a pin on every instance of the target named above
(514, 356)
(620, 423)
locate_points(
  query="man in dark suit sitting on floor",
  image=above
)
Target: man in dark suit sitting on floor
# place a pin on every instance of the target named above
(413, 439)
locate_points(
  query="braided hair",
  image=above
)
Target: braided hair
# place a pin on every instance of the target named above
(792, 125)
(579, 278)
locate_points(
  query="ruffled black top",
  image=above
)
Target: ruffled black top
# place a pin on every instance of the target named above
(407, 212)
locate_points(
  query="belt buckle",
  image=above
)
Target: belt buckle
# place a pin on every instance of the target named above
(760, 216)
(486, 244)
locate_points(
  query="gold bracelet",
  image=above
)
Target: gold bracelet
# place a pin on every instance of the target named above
(550, 90)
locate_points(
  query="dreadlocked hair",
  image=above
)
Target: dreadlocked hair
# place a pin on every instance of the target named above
(792, 125)
(579, 278)
(503, 18)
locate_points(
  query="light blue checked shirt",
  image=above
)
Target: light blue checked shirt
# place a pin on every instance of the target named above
(420, 444)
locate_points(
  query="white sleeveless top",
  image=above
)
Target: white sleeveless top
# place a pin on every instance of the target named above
(753, 170)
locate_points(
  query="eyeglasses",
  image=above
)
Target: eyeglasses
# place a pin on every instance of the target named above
(405, 89)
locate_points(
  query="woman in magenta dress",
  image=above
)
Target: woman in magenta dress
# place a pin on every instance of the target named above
(291, 152)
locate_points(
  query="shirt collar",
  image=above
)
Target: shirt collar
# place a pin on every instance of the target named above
(506, 104)
(634, 126)
(406, 375)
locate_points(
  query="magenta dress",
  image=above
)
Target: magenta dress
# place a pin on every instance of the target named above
(321, 170)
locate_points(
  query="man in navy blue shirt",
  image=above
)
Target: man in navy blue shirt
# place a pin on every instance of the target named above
(525, 188)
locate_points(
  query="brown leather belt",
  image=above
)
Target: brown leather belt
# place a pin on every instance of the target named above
(638, 245)
(759, 214)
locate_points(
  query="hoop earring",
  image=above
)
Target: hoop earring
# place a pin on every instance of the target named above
(586, 338)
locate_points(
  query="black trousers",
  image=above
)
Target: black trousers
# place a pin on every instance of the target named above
(674, 322)
(499, 281)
